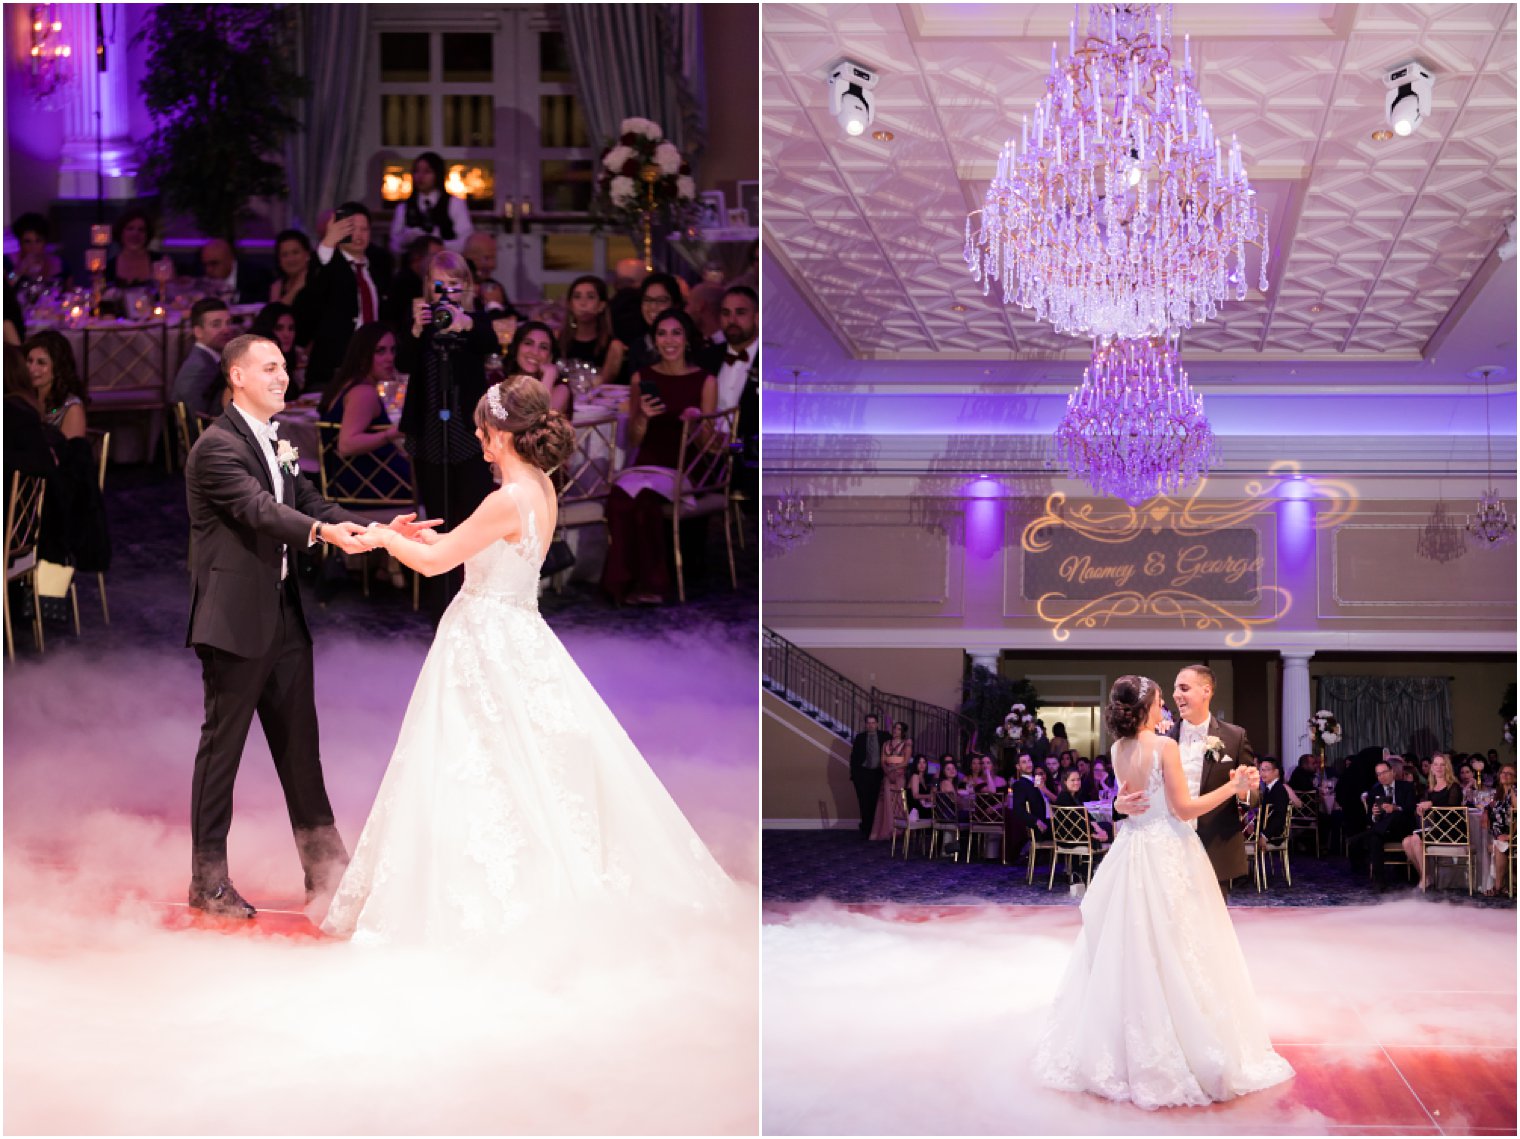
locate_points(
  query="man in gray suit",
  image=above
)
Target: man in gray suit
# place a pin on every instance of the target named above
(199, 384)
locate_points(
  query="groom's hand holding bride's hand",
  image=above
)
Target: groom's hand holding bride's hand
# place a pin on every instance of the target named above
(347, 536)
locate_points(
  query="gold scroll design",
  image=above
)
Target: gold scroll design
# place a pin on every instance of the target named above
(1190, 610)
(1190, 516)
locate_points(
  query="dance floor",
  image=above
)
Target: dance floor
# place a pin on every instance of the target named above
(125, 1014)
(1399, 1018)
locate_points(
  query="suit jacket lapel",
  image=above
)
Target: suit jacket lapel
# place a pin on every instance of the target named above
(241, 426)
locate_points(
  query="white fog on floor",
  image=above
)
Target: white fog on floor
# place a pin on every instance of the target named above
(117, 1023)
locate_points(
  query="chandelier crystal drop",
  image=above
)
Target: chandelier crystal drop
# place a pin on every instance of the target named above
(1117, 212)
(1135, 429)
(1491, 521)
(788, 521)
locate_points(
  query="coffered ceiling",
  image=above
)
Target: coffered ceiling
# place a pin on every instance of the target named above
(1379, 249)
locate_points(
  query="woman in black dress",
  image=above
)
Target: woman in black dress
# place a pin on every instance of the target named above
(587, 334)
(1444, 791)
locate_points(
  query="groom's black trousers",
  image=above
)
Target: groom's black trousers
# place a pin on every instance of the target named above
(279, 687)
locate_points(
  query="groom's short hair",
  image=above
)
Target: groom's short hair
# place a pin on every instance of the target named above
(237, 348)
(1204, 671)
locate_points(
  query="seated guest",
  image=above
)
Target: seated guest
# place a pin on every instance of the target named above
(624, 308)
(431, 211)
(983, 780)
(293, 256)
(225, 276)
(1274, 799)
(1103, 787)
(133, 264)
(59, 386)
(73, 513)
(1444, 791)
(1501, 817)
(1305, 775)
(658, 294)
(480, 252)
(531, 353)
(587, 334)
(277, 322)
(920, 787)
(661, 398)
(1074, 795)
(1052, 766)
(1390, 806)
(33, 259)
(1468, 782)
(1030, 813)
(347, 291)
(352, 401)
(30, 446)
(199, 384)
(949, 778)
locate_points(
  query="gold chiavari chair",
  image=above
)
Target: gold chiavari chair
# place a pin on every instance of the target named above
(1266, 847)
(906, 825)
(705, 469)
(1036, 845)
(100, 447)
(23, 523)
(585, 480)
(377, 484)
(947, 821)
(1071, 836)
(1305, 819)
(986, 822)
(1445, 834)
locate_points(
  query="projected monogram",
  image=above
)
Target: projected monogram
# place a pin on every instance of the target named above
(1186, 560)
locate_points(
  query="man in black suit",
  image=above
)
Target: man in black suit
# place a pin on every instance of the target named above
(1212, 764)
(199, 384)
(1274, 797)
(250, 512)
(735, 363)
(235, 281)
(1390, 805)
(348, 291)
(865, 770)
(1029, 816)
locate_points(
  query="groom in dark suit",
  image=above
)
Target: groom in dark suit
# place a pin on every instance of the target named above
(250, 513)
(1220, 831)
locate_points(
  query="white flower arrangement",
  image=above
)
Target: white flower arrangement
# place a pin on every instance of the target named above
(614, 158)
(288, 457)
(643, 176)
(622, 192)
(1323, 729)
(1016, 724)
(667, 158)
(646, 127)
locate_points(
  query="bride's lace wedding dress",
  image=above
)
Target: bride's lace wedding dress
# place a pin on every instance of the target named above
(1157, 1005)
(513, 792)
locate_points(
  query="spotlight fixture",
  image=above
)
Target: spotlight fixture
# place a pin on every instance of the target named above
(1410, 86)
(1506, 249)
(1382, 134)
(848, 101)
(883, 136)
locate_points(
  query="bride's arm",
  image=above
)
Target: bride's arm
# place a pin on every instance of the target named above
(1183, 805)
(489, 523)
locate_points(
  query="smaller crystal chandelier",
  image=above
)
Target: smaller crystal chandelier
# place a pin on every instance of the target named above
(1135, 428)
(1442, 539)
(48, 67)
(1491, 521)
(789, 520)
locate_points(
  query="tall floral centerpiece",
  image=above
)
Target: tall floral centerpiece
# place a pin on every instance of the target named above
(643, 180)
(1324, 730)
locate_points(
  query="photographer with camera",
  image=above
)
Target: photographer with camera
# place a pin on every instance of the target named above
(454, 337)
(348, 291)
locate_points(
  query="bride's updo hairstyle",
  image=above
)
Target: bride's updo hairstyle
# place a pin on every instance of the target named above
(1129, 706)
(519, 404)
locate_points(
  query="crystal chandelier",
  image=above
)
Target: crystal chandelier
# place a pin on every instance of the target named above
(48, 63)
(1134, 428)
(1442, 539)
(789, 520)
(1117, 212)
(1491, 522)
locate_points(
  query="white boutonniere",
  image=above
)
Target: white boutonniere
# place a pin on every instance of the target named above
(1213, 748)
(288, 457)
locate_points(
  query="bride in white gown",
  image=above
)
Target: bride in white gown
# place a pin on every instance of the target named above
(1157, 1005)
(513, 792)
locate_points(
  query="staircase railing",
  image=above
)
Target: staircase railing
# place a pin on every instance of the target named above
(842, 705)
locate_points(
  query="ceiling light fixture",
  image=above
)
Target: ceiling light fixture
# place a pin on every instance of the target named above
(1410, 87)
(1135, 428)
(789, 521)
(848, 101)
(1118, 212)
(1383, 134)
(1491, 521)
(883, 136)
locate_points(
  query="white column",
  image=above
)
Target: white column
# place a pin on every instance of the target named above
(113, 96)
(1296, 706)
(988, 660)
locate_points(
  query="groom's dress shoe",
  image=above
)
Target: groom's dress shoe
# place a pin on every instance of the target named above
(221, 900)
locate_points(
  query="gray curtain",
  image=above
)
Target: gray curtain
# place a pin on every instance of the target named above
(320, 161)
(641, 60)
(1407, 714)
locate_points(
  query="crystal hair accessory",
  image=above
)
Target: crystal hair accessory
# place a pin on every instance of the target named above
(493, 397)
